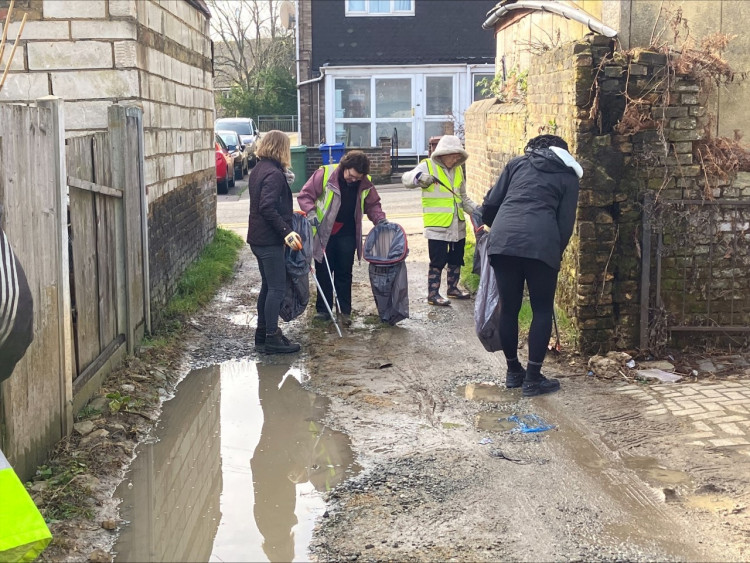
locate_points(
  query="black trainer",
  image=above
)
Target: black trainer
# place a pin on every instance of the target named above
(540, 386)
(320, 316)
(514, 379)
(277, 343)
(260, 336)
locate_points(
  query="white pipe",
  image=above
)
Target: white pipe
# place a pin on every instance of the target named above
(318, 79)
(296, 58)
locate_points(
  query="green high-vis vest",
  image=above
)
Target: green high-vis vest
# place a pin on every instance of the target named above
(23, 531)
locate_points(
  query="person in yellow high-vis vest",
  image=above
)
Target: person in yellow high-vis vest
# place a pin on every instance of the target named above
(444, 206)
(23, 531)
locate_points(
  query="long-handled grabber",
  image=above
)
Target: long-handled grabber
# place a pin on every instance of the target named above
(328, 307)
(333, 286)
(557, 346)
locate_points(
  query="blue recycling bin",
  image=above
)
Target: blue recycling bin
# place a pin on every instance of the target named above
(332, 153)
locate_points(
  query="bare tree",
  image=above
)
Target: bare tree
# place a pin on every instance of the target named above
(250, 40)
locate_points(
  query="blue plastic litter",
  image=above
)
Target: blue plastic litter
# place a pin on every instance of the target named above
(530, 423)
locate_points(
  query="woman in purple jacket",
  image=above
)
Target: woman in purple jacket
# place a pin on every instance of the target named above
(269, 229)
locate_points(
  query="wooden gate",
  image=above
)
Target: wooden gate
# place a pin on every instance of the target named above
(74, 212)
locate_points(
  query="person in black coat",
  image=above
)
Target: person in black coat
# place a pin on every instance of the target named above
(269, 229)
(531, 211)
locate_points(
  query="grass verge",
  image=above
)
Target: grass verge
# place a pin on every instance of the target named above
(202, 279)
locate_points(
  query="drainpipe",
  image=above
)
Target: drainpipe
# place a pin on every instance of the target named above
(312, 81)
(296, 59)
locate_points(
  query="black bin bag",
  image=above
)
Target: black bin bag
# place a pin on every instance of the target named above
(386, 249)
(298, 262)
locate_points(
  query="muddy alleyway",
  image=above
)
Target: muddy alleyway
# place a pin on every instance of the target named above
(393, 443)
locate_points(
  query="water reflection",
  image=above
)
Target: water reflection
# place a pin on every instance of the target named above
(276, 457)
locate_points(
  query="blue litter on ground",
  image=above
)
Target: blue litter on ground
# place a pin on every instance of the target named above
(485, 441)
(530, 423)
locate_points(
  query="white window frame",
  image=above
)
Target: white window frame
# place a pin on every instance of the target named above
(462, 92)
(367, 14)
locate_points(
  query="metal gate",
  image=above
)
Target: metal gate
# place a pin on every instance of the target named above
(699, 282)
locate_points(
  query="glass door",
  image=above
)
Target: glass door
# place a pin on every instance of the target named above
(439, 108)
(394, 110)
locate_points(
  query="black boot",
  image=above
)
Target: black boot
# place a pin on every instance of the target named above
(260, 336)
(514, 379)
(277, 343)
(433, 288)
(536, 384)
(454, 275)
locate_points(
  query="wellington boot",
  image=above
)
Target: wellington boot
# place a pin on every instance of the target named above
(454, 275)
(433, 288)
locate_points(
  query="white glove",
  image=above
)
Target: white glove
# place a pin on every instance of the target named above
(425, 180)
(289, 175)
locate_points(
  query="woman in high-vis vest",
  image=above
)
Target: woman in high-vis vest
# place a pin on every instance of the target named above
(335, 199)
(444, 206)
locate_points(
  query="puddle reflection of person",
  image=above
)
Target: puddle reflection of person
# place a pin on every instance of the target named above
(284, 456)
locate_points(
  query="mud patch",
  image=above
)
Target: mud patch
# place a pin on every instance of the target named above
(653, 473)
(236, 471)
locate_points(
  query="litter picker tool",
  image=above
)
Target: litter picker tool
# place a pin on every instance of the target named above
(556, 348)
(328, 307)
(333, 286)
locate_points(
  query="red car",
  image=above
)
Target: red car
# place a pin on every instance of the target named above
(224, 167)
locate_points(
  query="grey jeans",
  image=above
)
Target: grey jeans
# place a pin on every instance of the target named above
(273, 286)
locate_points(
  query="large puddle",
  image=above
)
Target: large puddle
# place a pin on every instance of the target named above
(237, 471)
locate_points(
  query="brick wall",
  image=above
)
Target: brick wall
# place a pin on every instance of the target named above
(156, 55)
(380, 161)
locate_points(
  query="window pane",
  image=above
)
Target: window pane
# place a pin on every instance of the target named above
(356, 5)
(439, 94)
(436, 129)
(352, 98)
(403, 5)
(478, 89)
(393, 97)
(353, 134)
(404, 132)
(380, 6)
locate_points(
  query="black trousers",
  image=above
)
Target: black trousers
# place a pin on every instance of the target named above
(511, 273)
(443, 252)
(273, 284)
(340, 252)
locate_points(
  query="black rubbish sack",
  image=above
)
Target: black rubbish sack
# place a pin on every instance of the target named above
(487, 304)
(479, 233)
(386, 248)
(298, 262)
(16, 310)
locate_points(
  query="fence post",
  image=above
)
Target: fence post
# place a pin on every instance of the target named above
(55, 105)
(124, 158)
(137, 114)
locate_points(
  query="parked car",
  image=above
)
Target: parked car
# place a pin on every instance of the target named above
(246, 129)
(237, 150)
(224, 166)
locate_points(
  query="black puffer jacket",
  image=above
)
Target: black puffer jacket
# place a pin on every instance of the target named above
(532, 208)
(271, 204)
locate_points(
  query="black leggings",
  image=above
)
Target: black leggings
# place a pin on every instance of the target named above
(511, 272)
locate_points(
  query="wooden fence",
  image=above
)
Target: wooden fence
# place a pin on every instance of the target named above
(75, 215)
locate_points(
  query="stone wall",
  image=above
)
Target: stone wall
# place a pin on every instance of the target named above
(156, 55)
(642, 145)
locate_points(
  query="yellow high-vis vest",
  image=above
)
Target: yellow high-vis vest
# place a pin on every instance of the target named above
(23, 531)
(439, 204)
(324, 201)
